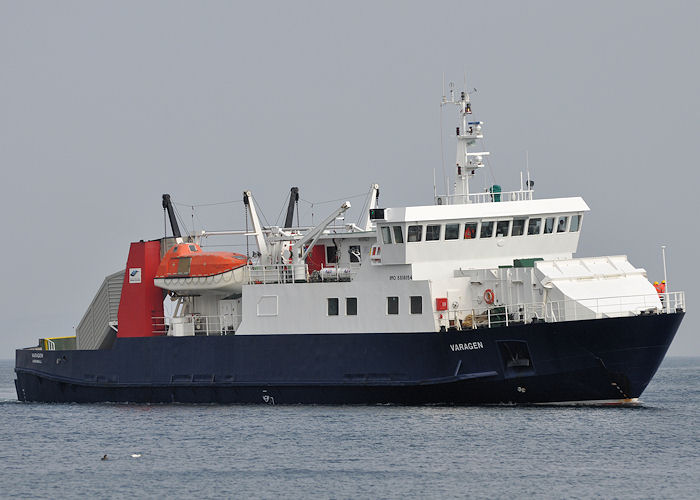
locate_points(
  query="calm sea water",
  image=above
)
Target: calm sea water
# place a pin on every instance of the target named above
(207, 451)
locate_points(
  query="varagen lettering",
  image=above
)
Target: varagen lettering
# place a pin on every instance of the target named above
(469, 346)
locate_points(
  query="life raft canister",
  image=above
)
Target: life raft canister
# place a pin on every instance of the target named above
(489, 296)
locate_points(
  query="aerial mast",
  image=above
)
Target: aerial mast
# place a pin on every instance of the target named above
(467, 133)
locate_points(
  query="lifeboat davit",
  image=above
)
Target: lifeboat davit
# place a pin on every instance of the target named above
(187, 270)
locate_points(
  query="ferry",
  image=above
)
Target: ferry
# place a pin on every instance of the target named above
(476, 299)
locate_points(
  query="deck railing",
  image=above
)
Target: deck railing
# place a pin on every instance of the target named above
(562, 310)
(277, 273)
(196, 324)
(484, 197)
(298, 273)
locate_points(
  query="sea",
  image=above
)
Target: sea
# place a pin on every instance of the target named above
(651, 450)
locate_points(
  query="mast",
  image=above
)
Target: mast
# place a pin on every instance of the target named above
(467, 133)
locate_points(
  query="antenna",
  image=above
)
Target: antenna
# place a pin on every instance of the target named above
(527, 161)
(442, 138)
(444, 97)
(434, 185)
(527, 169)
(663, 256)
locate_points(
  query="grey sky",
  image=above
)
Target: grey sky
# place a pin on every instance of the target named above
(105, 106)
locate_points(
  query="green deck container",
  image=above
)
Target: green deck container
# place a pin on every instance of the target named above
(526, 262)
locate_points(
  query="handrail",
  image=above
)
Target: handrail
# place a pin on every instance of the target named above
(561, 310)
(485, 197)
(196, 324)
(297, 273)
(277, 273)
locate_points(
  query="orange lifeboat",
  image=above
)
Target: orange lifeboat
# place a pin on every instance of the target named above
(186, 269)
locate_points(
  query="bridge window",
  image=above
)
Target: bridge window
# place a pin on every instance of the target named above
(351, 306)
(487, 229)
(502, 228)
(549, 225)
(416, 304)
(415, 233)
(392, 305)
(332, 306)
(386, 235)
(575, 223)
(398, 234)
(432, 232)
(534, 226)
(518, 227)
(470, 230)
(563, 222)
(451, 231)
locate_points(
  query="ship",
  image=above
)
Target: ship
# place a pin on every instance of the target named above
(474, 299)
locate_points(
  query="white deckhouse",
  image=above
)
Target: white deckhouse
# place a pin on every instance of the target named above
(472, 260)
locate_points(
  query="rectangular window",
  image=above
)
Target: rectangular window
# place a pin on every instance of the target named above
(416, 304)
(432, 232)
(487, 229)
(392, 305)
(351, 306)
(415, 233)
(398, 234)
(561, 226)
(451, 231)
(502, 228)
(549, 225)
(575, 223)
(386, 235)
(331, 255)
(183, 265)
(355, 253)
(534, 226)
(332, 306)
(470, 230)
(518, 227)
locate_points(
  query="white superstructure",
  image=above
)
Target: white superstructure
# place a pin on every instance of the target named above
(472, 260)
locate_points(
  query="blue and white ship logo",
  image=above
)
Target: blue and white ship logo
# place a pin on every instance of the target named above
(135, 275)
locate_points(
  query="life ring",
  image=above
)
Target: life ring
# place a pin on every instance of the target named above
(489, 296)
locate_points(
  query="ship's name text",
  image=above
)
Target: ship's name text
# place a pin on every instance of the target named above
(469, 346)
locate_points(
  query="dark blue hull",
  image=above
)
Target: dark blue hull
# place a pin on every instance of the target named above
(595, 360)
